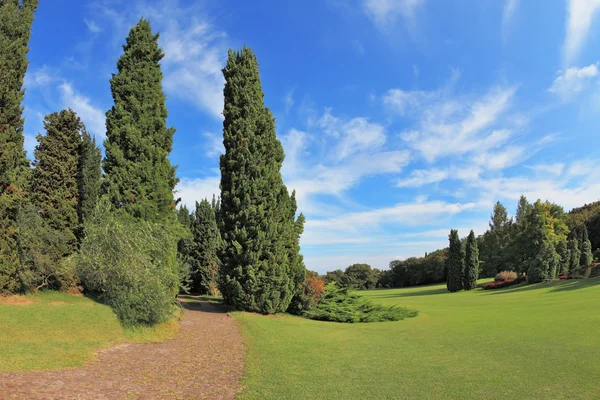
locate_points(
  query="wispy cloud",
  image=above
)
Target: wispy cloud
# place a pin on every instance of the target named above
(384, 13)
(580, 14)
(508, 15)
(195, 189)
(92, 25)
(288, 100)
(574, 80)
(93, 117)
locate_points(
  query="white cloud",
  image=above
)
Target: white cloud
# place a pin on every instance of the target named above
(192, 190)
(39, 77)
(555, 169)
(580, 14)
(502, 159)
(422, 177)
(384, 13)
(288, 100)
(29, 145)
(93, 118)
(92, 25)
(574, 80)
(213, 144)
(508, 14)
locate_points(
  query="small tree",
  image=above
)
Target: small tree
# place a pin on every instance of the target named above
(586, 249)
(543, 266)
(455, 263)
(471, 270)
(89, 175)
(204, 249)
(574, 253)
(565, 257)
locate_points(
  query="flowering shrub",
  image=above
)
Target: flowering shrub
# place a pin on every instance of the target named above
(506, 276)
(505, 283)
(309, 296)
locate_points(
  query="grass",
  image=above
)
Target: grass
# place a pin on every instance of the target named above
(524, 342)
(54, 330)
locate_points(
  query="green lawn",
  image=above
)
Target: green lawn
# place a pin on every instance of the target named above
(527, 342)
(55, 330)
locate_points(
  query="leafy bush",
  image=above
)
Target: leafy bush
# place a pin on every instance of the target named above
(132, 265)
(506, 276)
(309, 296)
(339, 305)
(505, 283)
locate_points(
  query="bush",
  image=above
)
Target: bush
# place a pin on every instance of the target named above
(506, 276)
(309, 296)
(338, 305)
(132, 265)
(505, 283)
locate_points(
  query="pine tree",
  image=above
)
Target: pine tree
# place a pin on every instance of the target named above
(205, 246)
(471, 269)
(260, 261)
(89, 175)
(574, 253)
(455, 263)
(54, 178)
(15, 29)
(544, 265)
(587, 257)
(138, 175)
(564, 254)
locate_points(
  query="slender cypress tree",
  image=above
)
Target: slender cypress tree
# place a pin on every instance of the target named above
(15, 29)
(259, 258)
(138, 175)
(54, 179)
(89, 175)
(574, 253)
(544, 265)
(455, 263)
(206, 243)
(471, 270)
(586, 249)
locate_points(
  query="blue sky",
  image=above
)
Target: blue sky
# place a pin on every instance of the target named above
(400, 119)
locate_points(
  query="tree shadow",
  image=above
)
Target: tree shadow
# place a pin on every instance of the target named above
(555, 286)
(576, 284)
(206, 304)
(411, 292)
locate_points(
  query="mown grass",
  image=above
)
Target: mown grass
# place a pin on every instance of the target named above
(526, 342)
(54, 330)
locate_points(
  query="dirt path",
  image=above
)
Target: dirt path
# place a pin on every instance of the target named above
(204, 361)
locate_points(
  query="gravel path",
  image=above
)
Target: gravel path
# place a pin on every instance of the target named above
(204, 361)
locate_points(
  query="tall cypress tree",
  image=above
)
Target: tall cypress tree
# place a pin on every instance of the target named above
(260, 260)
(138, 175)
(206, 243)
(471, 269)
(16, 18)
(54, 179)
(89, 177)
(574, 253)
(586, 249)
(455, 263)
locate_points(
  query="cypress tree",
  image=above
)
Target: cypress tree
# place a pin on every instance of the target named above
(206, 242)
(587, 257)
(89, 175)
(138, 175)
(544, 265)
(54, 179)
(563, 252)
(15, 29)
(260, 261)
(574, 253)
(471, 270)
(455, 263)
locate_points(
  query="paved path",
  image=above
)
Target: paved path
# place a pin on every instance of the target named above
(204, 361)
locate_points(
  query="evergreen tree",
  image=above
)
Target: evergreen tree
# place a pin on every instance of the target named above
(455, 263)
(564, 254)
(587, 257)
(138, 175)
(15, 29)
(261, 265)
(205, 246)
(574, 253)
(89, 175)
(544, 265)
(471, 269)
(54, 179)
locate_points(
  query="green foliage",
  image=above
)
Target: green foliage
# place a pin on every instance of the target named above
(574, 253)
(54, 179)
(455, 263)
(206, 242)
(564, 255)
(416, 271)
(139, 177)
(132, 265)
(339, 305)
(586, 249)
(471, 269)
(496, 248)
(261, 266)
(360, 276)
(89, 175)
(544, 265)
(15, 29)
(309, 296)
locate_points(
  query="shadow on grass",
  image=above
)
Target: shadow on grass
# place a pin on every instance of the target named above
(555, 286)
(410, 292)
(207, 304)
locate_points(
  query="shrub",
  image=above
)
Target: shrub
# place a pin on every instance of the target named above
(309, 296)
(339, 305)
(505, 276)
(505, 283)
(132, 265)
